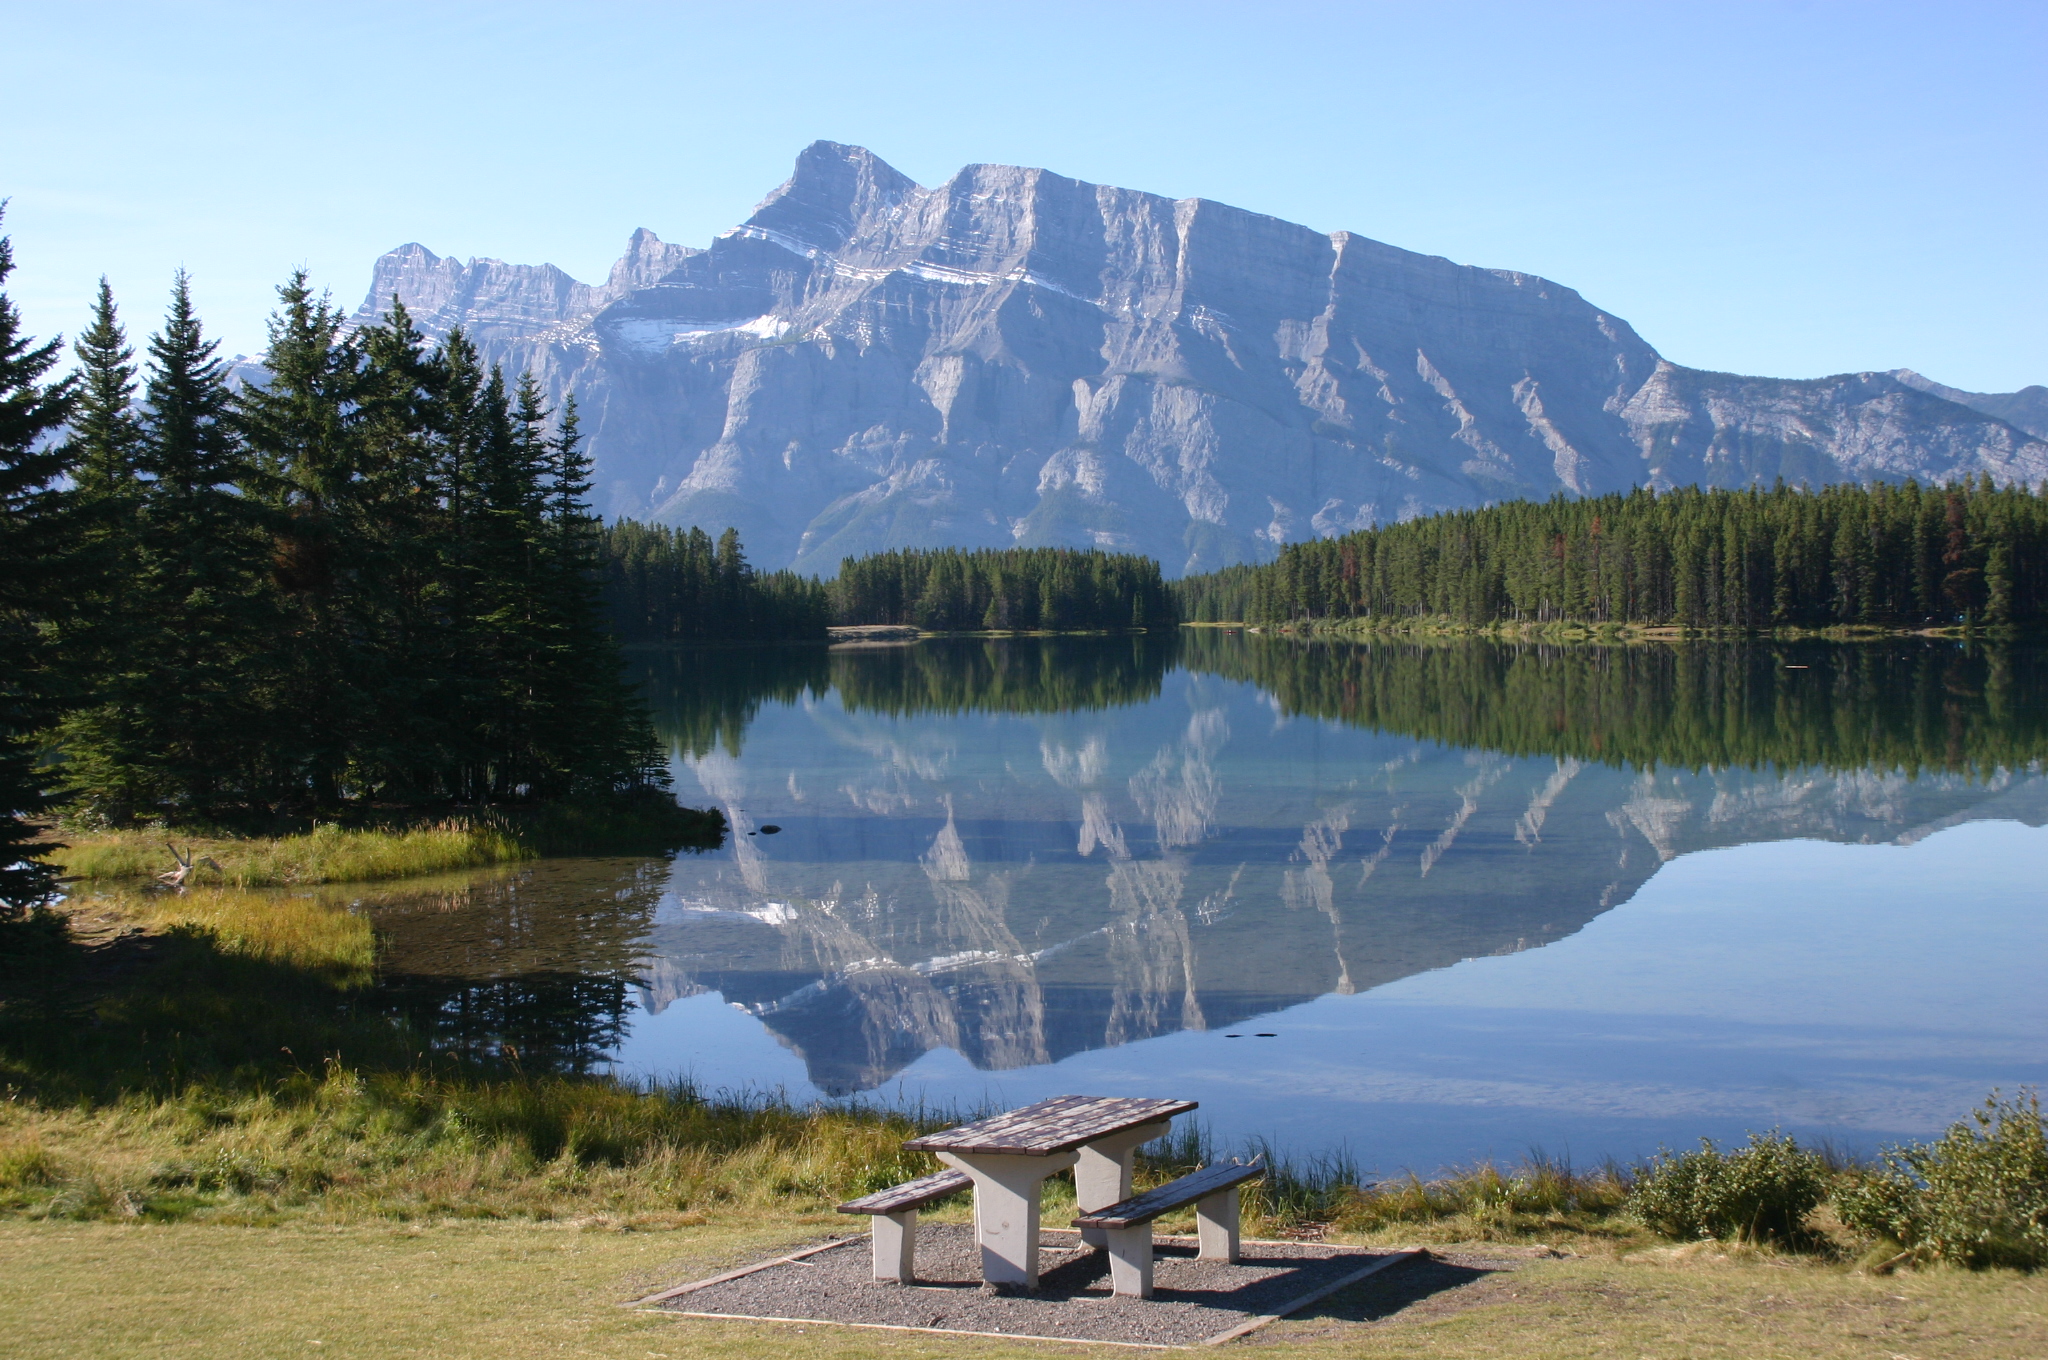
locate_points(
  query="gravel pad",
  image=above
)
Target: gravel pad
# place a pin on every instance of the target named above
(1192, 1299)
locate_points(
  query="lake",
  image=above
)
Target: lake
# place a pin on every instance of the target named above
(1424, 903)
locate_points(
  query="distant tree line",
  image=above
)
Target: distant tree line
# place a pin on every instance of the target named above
(955, 589)
(1890, 554)
(675, 585)
(374, 576)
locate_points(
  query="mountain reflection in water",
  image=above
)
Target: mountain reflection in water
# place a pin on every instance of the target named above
(1021, 850)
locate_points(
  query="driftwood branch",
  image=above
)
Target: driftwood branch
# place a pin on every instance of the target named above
(176, 878)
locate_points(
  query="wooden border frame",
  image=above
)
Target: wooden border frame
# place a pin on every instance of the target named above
(1382, 1261)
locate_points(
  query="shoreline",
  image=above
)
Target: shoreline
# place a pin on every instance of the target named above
(1440, 626)
(239, 1114)
(396, 847)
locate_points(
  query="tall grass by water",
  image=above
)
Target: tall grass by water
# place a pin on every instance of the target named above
(332, 853)
(301, 932)
(327, 854)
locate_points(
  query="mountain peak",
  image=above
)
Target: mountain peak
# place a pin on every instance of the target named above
(832, 188)
(647, 261)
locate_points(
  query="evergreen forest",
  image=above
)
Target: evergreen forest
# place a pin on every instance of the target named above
(1026, 589)
(666, 585)
(371, 579)
(1889, 555)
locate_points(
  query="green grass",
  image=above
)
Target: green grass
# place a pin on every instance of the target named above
(347, 1146)
(328, 854)
(215, 1055)
(332, 853)
(462, 1290)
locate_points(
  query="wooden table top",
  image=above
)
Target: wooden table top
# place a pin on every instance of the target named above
(1051, 1125)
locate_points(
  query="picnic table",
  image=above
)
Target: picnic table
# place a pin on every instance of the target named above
(1009, 1155)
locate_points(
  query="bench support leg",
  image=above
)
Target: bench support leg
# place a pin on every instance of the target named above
(1102, 1176)
(895, 1247)
(1216, 1219)
(1006, 1191)
(1130, 1261)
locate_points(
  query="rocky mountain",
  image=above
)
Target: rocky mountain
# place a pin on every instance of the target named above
(2026, 409)
(1014, 357)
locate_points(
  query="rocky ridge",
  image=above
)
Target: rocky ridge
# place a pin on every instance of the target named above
(1015, 357)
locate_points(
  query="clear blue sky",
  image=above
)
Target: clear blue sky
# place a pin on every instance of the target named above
(1790, 189)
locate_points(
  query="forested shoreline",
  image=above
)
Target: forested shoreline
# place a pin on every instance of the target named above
(1003, 590)
(371, 580)
(665, 585)
(1889, 555)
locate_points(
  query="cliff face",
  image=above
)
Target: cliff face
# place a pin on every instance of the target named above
(1019, 358)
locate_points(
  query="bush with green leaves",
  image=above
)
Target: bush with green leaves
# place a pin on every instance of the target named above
(1760, 1192)
(1976, 1197)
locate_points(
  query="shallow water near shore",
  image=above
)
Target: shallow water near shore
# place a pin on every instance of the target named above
(1423, 904)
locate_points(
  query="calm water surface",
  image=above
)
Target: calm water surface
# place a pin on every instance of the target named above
(1429, 904)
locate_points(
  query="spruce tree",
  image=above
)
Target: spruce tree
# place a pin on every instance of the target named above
(183, 720)
(408, 731)
(33, 551)
(300, 428)
(104, 432)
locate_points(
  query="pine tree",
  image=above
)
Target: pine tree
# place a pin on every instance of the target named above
(300, 428)
(33, 552)
(104, 432)
(402, 589)
(182, 715)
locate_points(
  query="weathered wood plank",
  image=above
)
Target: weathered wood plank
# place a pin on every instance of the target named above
(1051, 1125)
(1172, 1195)
(911, 1194)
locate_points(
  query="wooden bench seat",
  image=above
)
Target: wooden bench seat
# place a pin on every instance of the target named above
(1128, 1225)
(895, 1219)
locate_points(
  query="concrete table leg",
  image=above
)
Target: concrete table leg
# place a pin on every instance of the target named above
(1006, 1189)
(1102, 1176)
(1216, 1223)
(1130, 1261)
(895, 1246)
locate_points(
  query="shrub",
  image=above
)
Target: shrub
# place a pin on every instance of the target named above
(27, 1164)
(1761, 1192)
(1978, 1197)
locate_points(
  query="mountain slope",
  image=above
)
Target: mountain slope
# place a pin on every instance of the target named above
(1015, 357)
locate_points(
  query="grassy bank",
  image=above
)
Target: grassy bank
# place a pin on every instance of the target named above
(217, 1056)
(330, 852)
(214, 1142)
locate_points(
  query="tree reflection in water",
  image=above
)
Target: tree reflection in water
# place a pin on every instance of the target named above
(534, 965)
(1021, 849)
